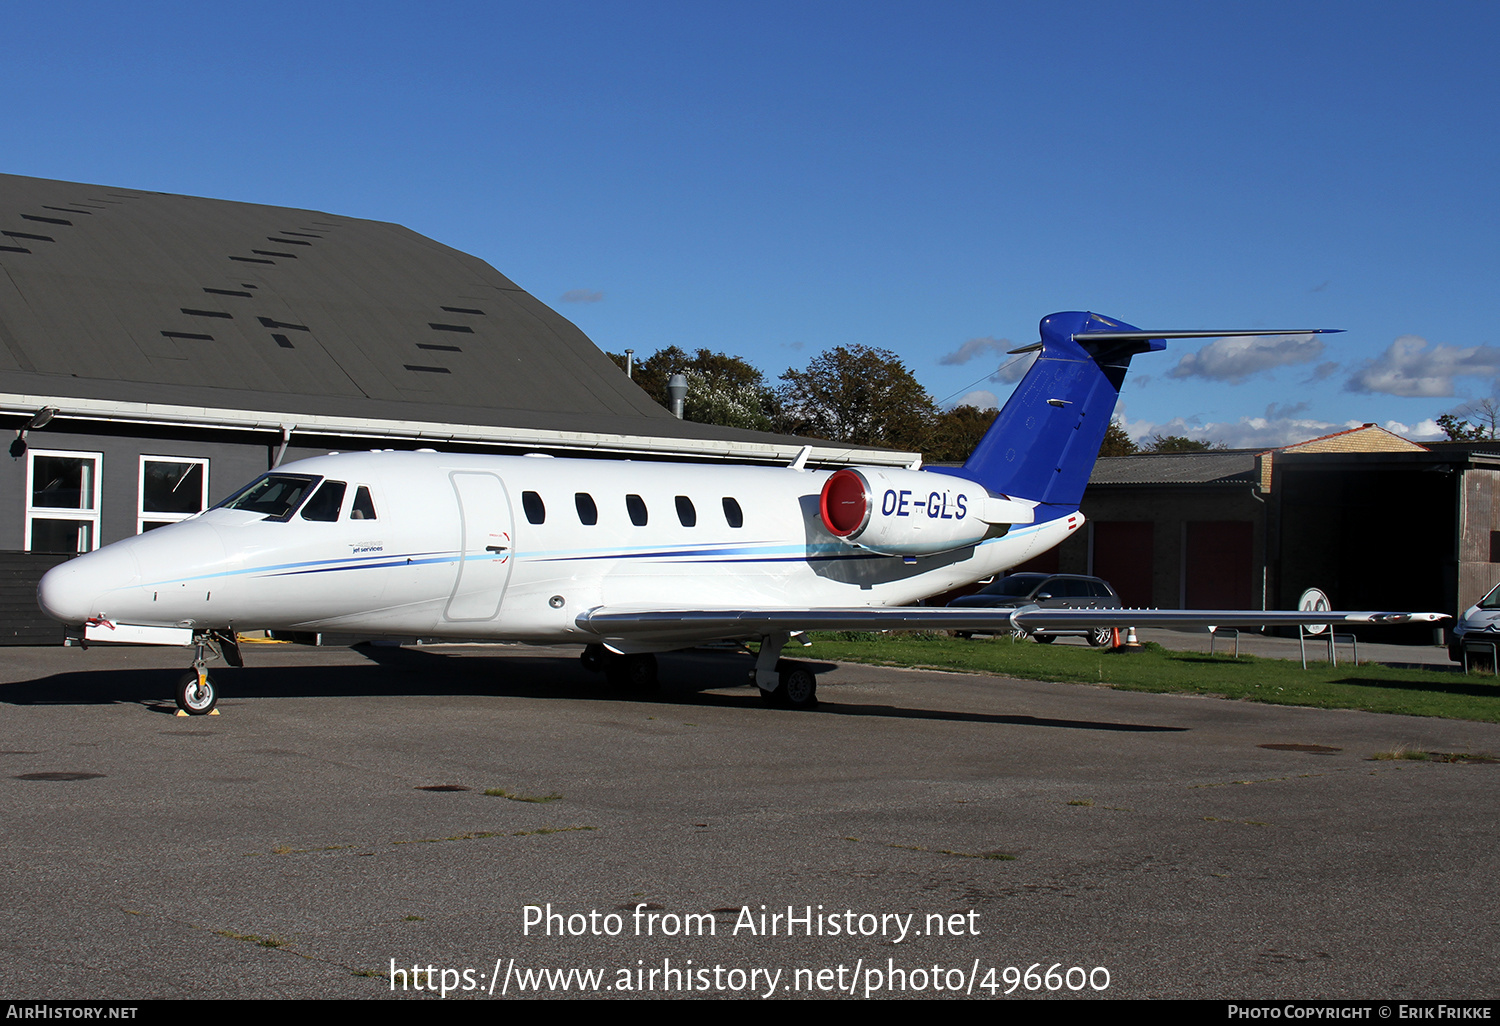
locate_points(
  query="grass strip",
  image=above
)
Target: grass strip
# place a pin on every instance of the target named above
(1371, 688)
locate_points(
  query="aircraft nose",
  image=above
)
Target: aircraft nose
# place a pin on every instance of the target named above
(71, 592)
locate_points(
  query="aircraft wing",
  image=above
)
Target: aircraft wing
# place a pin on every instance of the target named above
(710, 624)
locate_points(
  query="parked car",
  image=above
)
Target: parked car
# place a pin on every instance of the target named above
(1480, 621)
(1050, 591)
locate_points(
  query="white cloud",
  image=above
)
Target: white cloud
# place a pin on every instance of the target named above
(974, 348)
(1235, 359)
(1267, 432)
(1409, 368)
(979, 399)
(1422, 431)
(1016, 369)
(582, 296)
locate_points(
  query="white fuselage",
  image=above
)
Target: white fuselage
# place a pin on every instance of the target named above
(500, 547)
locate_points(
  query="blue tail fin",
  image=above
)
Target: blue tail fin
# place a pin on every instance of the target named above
(1044, 443)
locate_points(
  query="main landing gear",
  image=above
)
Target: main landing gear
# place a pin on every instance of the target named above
(783, 682)
(196, 694)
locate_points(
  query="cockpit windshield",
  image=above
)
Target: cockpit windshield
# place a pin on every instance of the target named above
(275, 495)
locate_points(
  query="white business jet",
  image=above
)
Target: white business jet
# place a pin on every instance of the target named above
(633, 558)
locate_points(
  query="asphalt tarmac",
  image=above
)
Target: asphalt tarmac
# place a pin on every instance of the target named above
(932, 834)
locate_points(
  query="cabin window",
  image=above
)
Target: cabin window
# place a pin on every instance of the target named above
(588, 513)
(364, 506)
(536, 510)
(685, 511)
(326, 502)
(170, 489)
(732, 514)
(62, 501)
(636, 507)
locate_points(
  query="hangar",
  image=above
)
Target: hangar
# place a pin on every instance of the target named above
(158, 351)
(1374, 520)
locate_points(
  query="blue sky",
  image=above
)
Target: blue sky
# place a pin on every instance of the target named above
(772, 179)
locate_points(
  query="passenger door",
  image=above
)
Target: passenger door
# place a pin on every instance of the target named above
(486, 556)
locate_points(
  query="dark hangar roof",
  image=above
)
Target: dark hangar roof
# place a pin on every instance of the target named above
(117, 295)
(1234, 466)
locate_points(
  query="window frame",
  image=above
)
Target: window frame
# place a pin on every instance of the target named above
(83, 515)
(142, 516)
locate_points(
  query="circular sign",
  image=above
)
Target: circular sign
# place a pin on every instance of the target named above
(1314, 601)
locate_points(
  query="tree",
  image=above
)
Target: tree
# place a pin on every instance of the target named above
(1179, 443)
(1117, 442)
(860, 395)
(1485, 414)
(722, 389)
(957, 432)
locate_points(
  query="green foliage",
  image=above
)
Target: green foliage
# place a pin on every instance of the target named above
(956, 433)
(722, 389)
(1180, 443)
(1117, 442)
(1411, 692)
(1462, 431)
(860, 395)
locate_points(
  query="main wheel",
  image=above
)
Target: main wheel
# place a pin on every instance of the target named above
(799, 686)
(594, 658)
(634, 672)
(195, 700)
(1100, 637)
(1045, 639)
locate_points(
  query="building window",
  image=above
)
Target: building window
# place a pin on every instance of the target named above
(171, 488)
(62, 501)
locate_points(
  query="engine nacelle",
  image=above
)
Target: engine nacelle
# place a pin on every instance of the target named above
(912, 512)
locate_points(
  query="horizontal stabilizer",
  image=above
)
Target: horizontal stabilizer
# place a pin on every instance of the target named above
(1141, 336)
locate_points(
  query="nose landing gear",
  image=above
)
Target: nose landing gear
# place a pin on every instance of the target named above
(196, 694)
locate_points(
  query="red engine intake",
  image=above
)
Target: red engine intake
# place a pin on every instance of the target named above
(845, 503)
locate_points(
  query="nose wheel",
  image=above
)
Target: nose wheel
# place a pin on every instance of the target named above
(196, 695)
